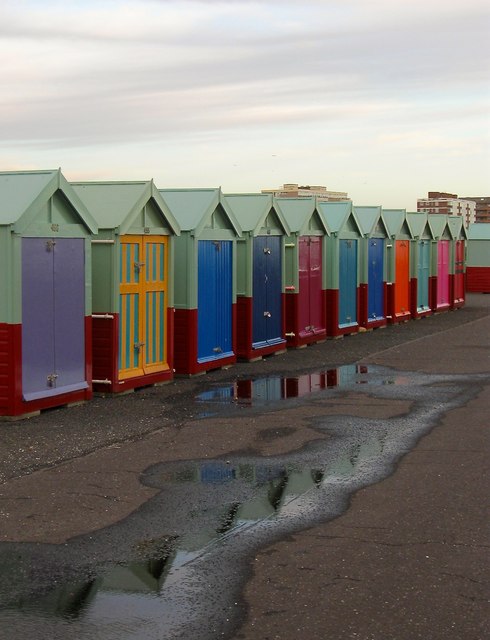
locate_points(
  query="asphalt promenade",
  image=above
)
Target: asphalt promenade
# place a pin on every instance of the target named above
(410, 558)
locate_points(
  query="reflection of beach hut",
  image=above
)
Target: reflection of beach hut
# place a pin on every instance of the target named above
(398, 266)
(372, 289)
(342, 295)
(260, 257)
(132, 277)
(205, 279)
(45, 297)
(305, 281)
(420, 261)
(441, 252)
(478, 258)
(458, 260)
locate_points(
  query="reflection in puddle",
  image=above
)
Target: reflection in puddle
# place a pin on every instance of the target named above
(209, 516)
(123, 587)
(263, 390)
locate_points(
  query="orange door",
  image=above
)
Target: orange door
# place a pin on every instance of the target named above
(402, 277)
(142, 305)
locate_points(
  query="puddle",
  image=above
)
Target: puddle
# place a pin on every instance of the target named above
(175, 568)
(259, 391)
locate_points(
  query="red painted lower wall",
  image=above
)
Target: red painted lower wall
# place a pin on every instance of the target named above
(478, 279)
(10, 367)
(105, 350)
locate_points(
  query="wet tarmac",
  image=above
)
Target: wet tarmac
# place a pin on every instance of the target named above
(175, 567)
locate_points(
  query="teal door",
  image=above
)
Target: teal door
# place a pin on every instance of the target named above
(423, 275)
(347, 283)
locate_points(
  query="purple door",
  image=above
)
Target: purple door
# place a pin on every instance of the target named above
(53, 310)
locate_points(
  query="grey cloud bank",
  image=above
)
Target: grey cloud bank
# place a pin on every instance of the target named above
(99, 79)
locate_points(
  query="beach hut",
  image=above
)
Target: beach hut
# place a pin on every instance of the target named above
(305, 271)
(441, 255)
(372, 289)
(420, 260)
(132, 284)
(205, 279)
(478, 258)
(45, 296)
(342, 293)
(398, 266)
(458, 261)
(260, 275)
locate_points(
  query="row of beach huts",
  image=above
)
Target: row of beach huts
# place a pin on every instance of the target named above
(111, 286)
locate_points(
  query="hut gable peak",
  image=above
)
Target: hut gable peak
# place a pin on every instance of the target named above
(372, 221)
(439, 226)
(218, 219)
(126, 206)
(199, 209)
(41, 197)
(298, 213)
(256, 214)
(338, 217)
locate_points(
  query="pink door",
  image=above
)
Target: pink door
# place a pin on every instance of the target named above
(442, 273)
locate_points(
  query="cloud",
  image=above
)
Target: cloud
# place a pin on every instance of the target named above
(83, 75)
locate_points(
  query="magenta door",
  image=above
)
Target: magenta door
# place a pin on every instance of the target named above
(442, 273)
(310, 313)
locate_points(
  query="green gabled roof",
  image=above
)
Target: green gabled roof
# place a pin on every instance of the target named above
(438, 223)
(417, 222)
(297, 212)
(193, 208)
(115, 204)
(23, 193)
(394, 219)
(369, 218)
(252, 209)
(479, 231)
(458, 230)
(336, 215)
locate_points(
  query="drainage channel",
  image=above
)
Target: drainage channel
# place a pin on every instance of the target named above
(175, 568)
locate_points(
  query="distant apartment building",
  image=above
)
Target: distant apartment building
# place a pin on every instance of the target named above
(293, 190)
(482, 208)
(449, 204)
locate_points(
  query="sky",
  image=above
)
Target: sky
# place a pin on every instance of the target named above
(383, 99)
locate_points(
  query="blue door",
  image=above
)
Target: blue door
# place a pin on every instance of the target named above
(423, 275)
(375, 279)
(347, 283)
(214, 299)
(267, 291)
(53, 316)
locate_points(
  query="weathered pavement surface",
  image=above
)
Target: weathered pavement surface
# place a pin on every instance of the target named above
(408, 559)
